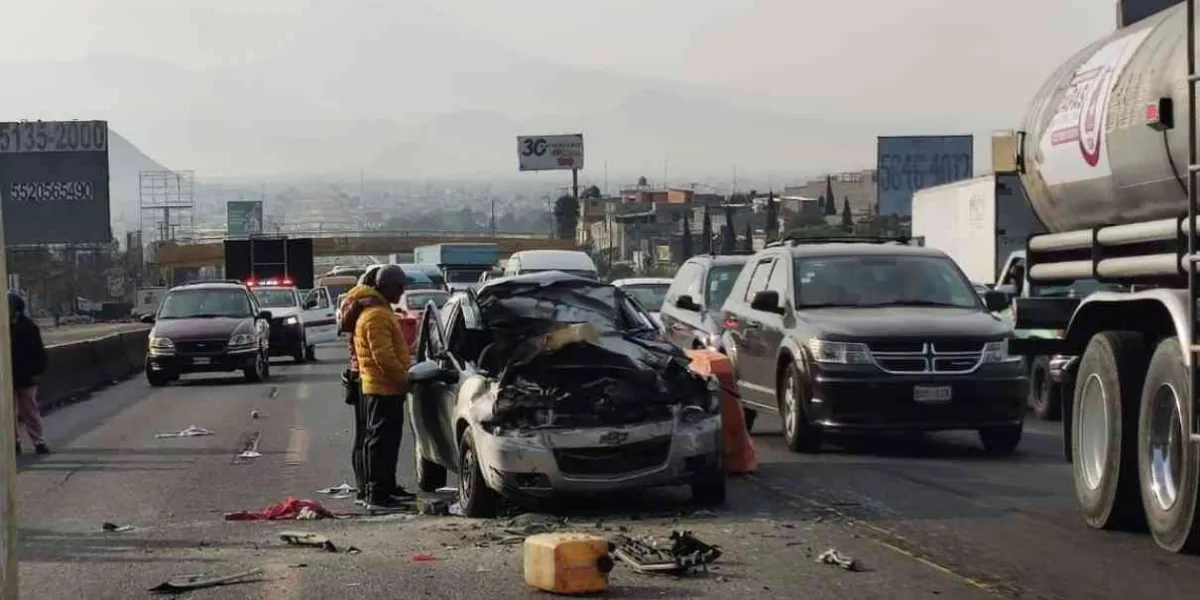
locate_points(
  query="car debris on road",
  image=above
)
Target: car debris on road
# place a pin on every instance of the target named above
(190, 431)
(188, 583)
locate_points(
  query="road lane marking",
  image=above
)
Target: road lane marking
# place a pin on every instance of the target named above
(297, 450)
(963, 578)
(282, 582)
(303, 392)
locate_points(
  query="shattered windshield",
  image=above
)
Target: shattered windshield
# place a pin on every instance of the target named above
(650, 295)
(538, 305)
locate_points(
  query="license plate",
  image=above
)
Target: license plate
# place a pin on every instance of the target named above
(930, 393)
(202, 360)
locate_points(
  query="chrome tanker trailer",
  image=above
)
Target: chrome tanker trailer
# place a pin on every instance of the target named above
(1105, 156)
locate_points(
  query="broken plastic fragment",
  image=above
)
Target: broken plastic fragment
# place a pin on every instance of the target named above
(345, 488)
(833, 557)
(423, 557)
(114, 528)
(250, 454)
(314, 540)
(190, 431)
(195, 582)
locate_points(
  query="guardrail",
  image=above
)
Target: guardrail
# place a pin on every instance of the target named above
(326, 233)
(75, 369)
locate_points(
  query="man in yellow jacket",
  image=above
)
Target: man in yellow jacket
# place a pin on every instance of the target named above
(383, 361)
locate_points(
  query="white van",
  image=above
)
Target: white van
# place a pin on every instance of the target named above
(535, 261)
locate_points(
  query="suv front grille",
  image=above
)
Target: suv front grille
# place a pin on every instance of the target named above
(614, 460)
(941, 356)
(201, 347)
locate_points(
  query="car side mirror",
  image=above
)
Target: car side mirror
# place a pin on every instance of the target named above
(428, 371)
(147, 318)
(766, 301)
(686, 302)
(266, 314)
(997, 300)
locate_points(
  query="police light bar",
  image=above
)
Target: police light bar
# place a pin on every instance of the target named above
(269, 282)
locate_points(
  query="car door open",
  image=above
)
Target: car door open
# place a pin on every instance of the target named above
(320, 322)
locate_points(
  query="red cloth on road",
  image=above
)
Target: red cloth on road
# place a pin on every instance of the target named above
(739, 456)
(289, 509)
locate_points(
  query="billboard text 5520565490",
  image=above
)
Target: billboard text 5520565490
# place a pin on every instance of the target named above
(54, 182)
(910, 163)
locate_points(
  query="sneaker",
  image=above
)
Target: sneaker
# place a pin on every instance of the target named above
(400, 493)
(41, 449)
(386, 504)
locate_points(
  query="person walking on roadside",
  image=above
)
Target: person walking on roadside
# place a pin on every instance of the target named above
(28, 363)
(358, 298)
(383, 363)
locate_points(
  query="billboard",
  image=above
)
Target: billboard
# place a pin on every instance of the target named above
(243, 217)
(54, 182)
(550, 152)
(910, 163)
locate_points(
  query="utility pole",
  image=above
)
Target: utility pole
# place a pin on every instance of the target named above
(8, 444)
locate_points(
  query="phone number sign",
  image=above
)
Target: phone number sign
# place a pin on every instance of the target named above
(910, 163)
(54, 182)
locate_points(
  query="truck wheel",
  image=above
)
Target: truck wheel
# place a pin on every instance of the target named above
(1042, 397)
(478, 501)
(430, 475)
(798, 432)
(1108, 391)
(1167, 460)
(310, 353)
(1001, 441)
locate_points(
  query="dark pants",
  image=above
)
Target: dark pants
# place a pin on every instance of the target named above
(381, 445)
(357, 458)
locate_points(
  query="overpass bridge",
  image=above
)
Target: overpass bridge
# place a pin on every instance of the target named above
(210, 252)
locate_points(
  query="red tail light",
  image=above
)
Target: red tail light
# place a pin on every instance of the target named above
(731, 322)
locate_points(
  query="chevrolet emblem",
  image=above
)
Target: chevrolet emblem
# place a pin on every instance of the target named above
(613, 437)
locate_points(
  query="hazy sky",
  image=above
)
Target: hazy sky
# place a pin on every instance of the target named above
(974, 61)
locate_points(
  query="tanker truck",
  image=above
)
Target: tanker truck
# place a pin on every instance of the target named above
(1107, 153)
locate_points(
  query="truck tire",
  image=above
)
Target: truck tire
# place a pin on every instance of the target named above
(1167, 461)
(1043, 396)
(1108, 393)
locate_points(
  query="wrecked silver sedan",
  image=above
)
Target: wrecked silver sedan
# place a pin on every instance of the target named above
(548, 383)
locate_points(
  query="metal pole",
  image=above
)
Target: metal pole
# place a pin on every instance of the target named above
(8, 444)
(575, 183)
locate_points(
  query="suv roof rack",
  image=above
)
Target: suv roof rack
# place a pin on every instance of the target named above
(204, 281)
(795, 241)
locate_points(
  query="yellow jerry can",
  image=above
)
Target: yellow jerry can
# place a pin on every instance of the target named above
(567, 563)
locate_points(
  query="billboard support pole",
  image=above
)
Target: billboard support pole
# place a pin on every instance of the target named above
(8, 444)
(575, 183)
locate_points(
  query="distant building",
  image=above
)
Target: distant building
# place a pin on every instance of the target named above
(858, 186)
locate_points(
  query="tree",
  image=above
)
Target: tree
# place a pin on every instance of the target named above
(706, 232)
(847, 218)
(748, 241)
(566, 216)
(685, 243)
(831, 204)
(772, 227)
(728, 234)
(591, 192)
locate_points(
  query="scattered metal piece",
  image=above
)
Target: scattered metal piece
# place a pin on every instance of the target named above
(190, 431)
(833, 557)
(685, 553)
(250, 454)
(352, 551)
(344, 488)
(195, 582)
(114, 528)
(433, 506)
(254, 414)
(314, 540)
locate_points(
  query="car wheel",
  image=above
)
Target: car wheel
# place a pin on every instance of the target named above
(1042, 397)
(310, 353)
(430, 475)
(256, 372)
(300, 353)
(800, 435)
(750, 416)
(157, 378)
(710, 491)
(477, 500)
(1001, 441)
(1167, 465)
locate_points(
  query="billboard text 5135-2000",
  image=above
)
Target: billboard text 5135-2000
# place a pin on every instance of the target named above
(50, 191)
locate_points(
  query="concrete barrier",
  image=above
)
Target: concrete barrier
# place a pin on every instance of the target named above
(75, 369)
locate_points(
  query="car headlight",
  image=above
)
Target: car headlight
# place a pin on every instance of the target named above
(997, 352)
(291, 321)
(841, 353)
(161, 343)
(241, 339)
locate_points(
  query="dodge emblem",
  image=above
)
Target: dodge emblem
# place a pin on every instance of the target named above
(613, 437)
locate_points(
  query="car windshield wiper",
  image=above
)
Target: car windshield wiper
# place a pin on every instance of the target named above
(917, 303)
(828, 305)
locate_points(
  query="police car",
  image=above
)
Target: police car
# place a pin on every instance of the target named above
(298, 321)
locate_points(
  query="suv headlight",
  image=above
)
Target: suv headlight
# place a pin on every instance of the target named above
(161, 344)
(997, 352)
(841, 353)
(241, 339)
(291, 321)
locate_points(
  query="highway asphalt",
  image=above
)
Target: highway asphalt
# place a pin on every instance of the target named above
(924, 517)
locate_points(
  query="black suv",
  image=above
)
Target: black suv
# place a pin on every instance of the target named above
(208, 327)
(870, 336)
(691, 312)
